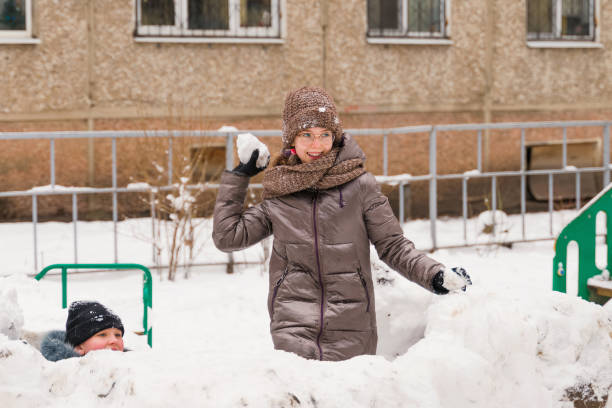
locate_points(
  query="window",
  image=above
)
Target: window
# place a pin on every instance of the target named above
(561, 20)
(407, 18)
(15, 18)
(209, 18)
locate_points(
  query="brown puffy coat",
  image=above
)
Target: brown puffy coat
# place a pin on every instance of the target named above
(321, 296)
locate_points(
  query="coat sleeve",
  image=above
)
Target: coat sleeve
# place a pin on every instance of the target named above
(234, 227)
(385, 232)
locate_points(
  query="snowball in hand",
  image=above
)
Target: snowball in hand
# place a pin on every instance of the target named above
(455, 279)
(247, 143)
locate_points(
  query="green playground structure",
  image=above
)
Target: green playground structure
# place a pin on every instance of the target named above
(582, 230)
(147, 288)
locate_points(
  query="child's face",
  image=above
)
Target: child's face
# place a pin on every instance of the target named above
(105, 339)
(312, 143)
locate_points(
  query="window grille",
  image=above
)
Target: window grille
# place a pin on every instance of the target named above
(561, 20)
(407, 18)
(208, 18)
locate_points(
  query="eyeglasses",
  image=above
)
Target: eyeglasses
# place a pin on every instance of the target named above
(307, 138)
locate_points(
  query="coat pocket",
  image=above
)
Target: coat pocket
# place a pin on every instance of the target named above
(277, 285)
(365, 288)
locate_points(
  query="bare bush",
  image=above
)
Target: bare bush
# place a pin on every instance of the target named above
(177, 208)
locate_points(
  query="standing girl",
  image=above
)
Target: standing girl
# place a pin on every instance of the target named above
(324, 210)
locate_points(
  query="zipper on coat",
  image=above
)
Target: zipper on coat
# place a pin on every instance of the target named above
(340, 200)
(277, 285)
(365, 287)
(316, 242)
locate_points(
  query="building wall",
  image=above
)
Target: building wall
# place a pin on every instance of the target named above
(569, 78)
(88, 65)
(375, 77)
(88, 72)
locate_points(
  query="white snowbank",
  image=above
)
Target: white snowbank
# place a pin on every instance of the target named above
(509, 341)
(492, 346)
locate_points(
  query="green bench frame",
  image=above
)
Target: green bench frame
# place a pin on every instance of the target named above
(147, 288)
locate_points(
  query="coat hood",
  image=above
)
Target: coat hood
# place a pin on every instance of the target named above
(55, 348)
(350, 149)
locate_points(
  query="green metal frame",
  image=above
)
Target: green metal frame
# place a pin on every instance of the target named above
(582, 230)
(147, 288)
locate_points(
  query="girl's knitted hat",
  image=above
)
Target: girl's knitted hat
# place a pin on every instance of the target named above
(86, 318)
(309, 107)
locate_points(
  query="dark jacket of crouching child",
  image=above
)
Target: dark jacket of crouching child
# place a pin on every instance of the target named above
(54, 346)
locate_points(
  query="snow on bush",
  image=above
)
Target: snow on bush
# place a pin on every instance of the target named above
(490, 221)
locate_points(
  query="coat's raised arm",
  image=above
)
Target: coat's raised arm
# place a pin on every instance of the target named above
(234, 227)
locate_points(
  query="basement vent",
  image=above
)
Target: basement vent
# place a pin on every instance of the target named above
(549, 155)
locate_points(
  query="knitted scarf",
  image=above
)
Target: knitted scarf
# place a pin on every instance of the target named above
(320, 174)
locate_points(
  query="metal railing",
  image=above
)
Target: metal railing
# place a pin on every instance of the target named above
(432, 177)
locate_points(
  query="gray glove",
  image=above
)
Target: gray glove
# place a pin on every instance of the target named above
(452, 280)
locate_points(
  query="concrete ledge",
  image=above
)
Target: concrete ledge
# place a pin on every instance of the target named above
(17, 41)
(209, 40)
(409, 41)
(564, 44)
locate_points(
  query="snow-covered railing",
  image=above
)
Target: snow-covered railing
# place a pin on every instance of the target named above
(432, 176)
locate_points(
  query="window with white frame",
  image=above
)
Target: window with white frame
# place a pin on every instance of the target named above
(15, 18)
(561, 20)
(407, 18)
(209, 18)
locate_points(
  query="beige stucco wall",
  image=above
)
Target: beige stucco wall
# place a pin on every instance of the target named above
(89, 72)
(208, 78)
(530, 76)
(51, 76)
(108, 75)
(432, 77)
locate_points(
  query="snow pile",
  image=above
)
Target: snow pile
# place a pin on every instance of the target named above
(520, 349)
(11, 316)
(493, 345)
(247, 144)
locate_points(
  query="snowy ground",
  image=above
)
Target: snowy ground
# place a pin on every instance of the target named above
(509, 341)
